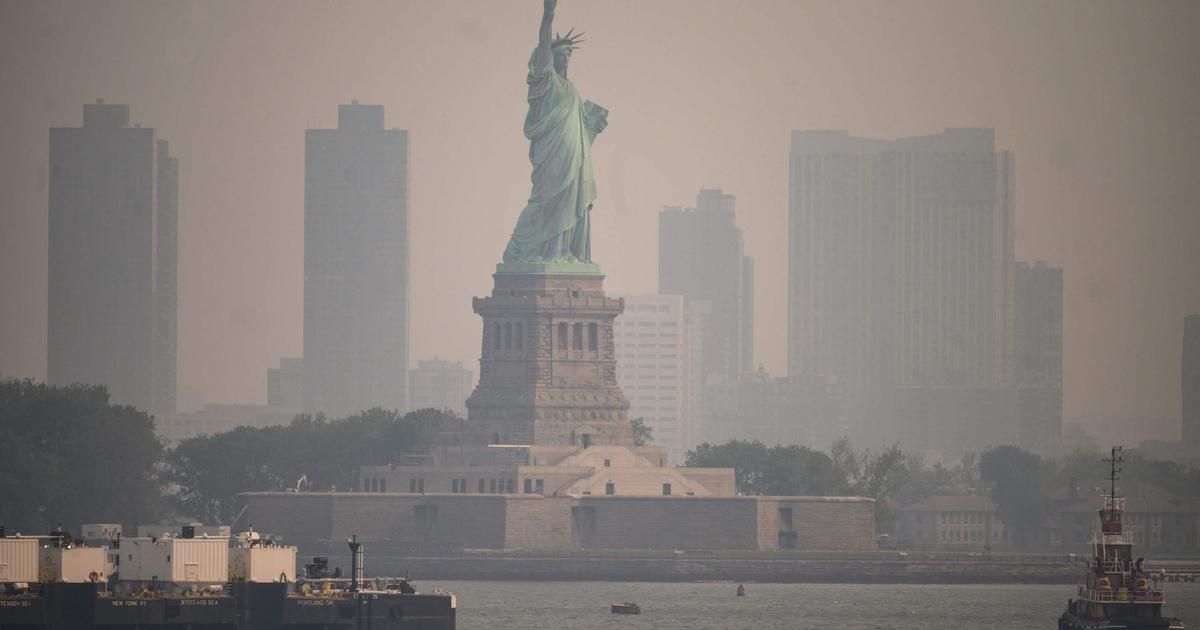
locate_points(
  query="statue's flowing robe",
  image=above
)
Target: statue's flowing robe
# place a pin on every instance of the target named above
(555, 224)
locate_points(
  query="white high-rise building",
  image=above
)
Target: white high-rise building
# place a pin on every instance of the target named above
(652, 368)
(901, 283)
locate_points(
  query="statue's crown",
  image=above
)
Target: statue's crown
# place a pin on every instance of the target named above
(570, 40)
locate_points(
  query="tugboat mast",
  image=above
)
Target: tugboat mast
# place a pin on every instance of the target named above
(1114, 462)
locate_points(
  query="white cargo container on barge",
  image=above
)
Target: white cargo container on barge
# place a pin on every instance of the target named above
(179, 560)
(18, 559)
(73, 564)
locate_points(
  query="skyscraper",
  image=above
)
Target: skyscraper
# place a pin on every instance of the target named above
(1038, 356)
(113, 204)
(1191, 381)
(900, 282)
(355, 264)
(700, 256)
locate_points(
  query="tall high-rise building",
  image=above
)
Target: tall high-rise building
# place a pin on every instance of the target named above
(652, 368)
(355, 264)
(900, 281)
(437, 384)
(1191, 381)
(1038, 356)
(701, 257)
(113, 259)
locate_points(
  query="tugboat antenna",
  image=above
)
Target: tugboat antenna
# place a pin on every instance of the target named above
(1114, 474)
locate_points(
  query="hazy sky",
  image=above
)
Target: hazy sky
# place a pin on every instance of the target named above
(1098, 100)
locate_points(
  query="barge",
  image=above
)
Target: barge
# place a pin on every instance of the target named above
(187, 583)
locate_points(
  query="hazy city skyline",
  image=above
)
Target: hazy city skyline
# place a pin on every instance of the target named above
(1096, 101)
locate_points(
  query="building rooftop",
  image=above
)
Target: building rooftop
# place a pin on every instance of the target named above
(952, 140)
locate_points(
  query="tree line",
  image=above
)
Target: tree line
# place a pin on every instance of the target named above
(204, 474)
(68, 455)
(802, 471)
(1025, 487)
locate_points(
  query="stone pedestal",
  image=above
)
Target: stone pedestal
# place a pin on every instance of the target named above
(547, 371)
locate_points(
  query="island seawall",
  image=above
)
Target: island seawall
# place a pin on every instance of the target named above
(697, 566)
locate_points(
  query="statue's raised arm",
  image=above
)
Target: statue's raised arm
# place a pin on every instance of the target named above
(544, 33)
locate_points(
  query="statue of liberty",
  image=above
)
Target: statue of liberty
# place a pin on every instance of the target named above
(555, 224)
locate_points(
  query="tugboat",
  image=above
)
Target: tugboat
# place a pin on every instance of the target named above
(1116, 593)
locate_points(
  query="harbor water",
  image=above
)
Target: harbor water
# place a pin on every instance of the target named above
(715, 606)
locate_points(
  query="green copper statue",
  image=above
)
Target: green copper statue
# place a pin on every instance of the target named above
(554, 227)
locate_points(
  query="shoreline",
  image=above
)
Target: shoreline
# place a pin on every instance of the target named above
(786, 571)
(877, 567)
(625, 568)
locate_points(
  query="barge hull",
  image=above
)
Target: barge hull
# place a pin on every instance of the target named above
(250, 606)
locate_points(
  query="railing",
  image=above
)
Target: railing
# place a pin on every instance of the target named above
(1114, 566)
(1133, 597)
(1111, 539)
(1114, 503)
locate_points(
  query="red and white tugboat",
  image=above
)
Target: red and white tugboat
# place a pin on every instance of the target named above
(1116, 593)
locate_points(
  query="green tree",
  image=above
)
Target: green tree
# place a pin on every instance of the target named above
(748, 459)
(1170, 476)
(208, 472)
(778, 470)
(884, 474)
(847, 467)
(1085, 469)
(798, 471)
(71, 456)
(643, 434)
(966, 475)
(961, 478)
(1019, 484)
(924, 482)
(879, 476)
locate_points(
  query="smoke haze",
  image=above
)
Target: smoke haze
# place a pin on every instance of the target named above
(1097, 100)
